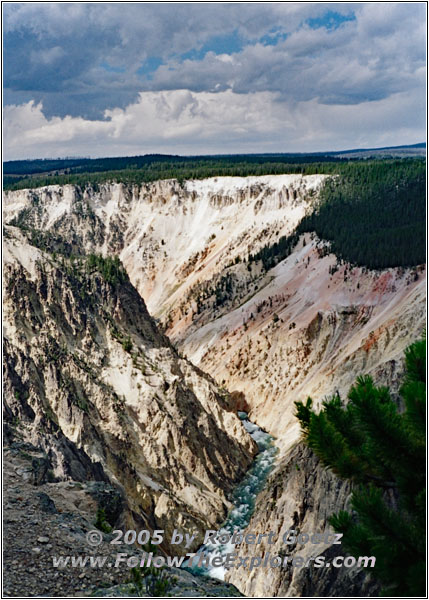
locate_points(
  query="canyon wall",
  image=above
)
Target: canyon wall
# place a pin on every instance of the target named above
(91, 380)
(266, 338)
(307, 326)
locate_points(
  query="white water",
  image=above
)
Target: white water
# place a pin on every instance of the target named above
(243, 498)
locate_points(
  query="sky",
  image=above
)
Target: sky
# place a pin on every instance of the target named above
(115, 79)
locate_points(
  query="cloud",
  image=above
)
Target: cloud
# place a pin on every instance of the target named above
(128, 36)
(146, 77)
(184, 122)
(365, 59)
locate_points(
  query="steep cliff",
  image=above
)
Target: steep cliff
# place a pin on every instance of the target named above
(169, 236)
(300, 495)
(307, 326)
(87, 371)
(310, 328)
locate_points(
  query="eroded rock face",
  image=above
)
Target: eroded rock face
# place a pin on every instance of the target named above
(169, 236)
(300, 495)
(308, 326)
(306, 330)
(39, 525)
(91, 380)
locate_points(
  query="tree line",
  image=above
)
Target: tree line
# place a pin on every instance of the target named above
(372, 214)
(145, 169)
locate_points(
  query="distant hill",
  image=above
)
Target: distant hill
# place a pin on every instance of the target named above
(19, 174)
(388, 151)
(59, 166)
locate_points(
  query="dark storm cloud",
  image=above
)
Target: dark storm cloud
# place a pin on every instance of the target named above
(361, 60)
(101, 79)
(98, 53)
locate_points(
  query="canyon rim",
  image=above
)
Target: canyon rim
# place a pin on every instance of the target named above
(214, 300)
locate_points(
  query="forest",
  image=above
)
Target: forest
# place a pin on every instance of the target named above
(372, 214)
(151, 167)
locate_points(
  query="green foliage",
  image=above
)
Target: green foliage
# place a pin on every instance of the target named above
(127, 344)
(223, 289)
(53, 351)
(373, 214)
(272, 254)
(303, 413)
(101, 522)
(155, 580)
(110, 268)
(74, 389)
(21, 219)
(382, 450)
(144, 169)
(137, 579)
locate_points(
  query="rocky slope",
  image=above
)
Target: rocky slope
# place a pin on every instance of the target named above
(300, 495)
(91, 380)
(308, 326)
(47, 520)
(169, 236)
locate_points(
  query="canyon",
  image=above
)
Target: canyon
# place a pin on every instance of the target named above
(137, 380)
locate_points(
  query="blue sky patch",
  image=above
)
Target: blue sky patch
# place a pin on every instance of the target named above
(223, 44)
(149, 66)
(273, 38)
(331, 20)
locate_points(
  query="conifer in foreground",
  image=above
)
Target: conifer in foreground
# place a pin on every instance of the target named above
(381, 448)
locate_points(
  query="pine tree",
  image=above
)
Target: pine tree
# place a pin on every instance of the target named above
(381, 448)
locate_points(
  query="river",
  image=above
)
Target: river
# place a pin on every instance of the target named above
(243, 497)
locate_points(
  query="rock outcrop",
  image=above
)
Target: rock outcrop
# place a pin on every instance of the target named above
(307, 326)
(300, 495)
(50, 522)
(91, 380)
